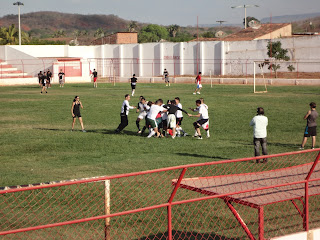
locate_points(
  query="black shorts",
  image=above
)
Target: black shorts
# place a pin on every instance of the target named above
(44, 84)
(133, 86)
(77, 115)
(310, 131)
(200, 122)
(179, 121)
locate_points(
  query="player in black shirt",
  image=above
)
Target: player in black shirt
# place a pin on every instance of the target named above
(49, 77)
(95, 77)
(40, 78)
(43, 82)
(133, 81)
(166, 77)
(61, 78)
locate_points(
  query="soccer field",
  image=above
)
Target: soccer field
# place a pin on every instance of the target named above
(37, 145)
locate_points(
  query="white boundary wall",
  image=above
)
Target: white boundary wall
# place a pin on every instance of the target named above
(149, 59)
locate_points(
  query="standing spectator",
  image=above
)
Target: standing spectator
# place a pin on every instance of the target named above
(311, 128)
(166, 77)
(49, 78)
(260, 123)
(43, 82)
(75, 111)
(133, 81)
(198, 82)
(40, 78)
(203, 117)
(61, 78)
(95, 77)
(124, 113)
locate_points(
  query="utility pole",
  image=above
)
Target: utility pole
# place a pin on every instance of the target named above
(245, 12)
(19, 4)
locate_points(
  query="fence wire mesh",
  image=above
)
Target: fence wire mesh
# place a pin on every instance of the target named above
(253, 198)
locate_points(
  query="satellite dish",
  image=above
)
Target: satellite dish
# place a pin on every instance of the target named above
(219, 34)
(254, 24)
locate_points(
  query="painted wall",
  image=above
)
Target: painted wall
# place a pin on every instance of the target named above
(187, 58)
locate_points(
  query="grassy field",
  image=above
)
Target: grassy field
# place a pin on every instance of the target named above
(36, 144)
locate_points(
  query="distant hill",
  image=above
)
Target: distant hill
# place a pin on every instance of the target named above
(44, 24)
(290, 18)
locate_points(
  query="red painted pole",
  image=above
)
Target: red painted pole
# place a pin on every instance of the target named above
(306, 208)
(261, 223)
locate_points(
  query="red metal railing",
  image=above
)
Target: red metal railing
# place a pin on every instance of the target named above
(230, 199)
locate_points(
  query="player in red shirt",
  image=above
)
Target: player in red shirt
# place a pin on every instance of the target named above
(198, 82)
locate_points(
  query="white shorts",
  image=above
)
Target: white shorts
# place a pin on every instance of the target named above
(171, 121)
(142, 115)
(199, 85)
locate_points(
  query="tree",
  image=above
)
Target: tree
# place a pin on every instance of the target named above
(59, 33)
(250, 19)
(173, 30)
(132, 26)
(277, 53)
(153, 33)
(99, 33)
(208, 35)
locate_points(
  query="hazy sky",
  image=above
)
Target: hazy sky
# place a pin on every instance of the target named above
(166, 12)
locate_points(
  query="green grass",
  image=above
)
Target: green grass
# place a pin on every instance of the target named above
(36, 144)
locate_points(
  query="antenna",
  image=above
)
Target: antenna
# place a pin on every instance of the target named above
(245, 12)
(220, 21)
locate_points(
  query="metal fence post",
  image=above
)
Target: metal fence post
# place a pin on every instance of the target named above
(107, 209)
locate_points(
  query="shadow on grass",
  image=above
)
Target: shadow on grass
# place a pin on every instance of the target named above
(188, 235)
(288, 145)
(200, 156)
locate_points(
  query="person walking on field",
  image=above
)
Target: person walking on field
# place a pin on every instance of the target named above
(166, 77)
(44, 82)
(311, 128)
(124, 113)
(133, 81)
(95, 77)
(61, 76)
(49, 78)
(40, 75)
(199, 85)
(75, 112)
(259, 124)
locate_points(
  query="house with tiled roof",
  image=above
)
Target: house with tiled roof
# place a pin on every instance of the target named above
(263, 31)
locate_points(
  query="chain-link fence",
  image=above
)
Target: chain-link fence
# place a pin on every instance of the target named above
(252, 198)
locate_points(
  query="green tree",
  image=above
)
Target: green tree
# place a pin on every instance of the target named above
(153, 33)
(99, 33)
(173, 30)
(59, 33)
(132, 27)
(276, 53)
(208, 34)
(250, 19)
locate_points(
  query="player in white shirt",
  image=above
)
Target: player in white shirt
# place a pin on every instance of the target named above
(142, 109)
(179, 117)
(124, 113)
(151, 117)
(205, 126)
(203, 117)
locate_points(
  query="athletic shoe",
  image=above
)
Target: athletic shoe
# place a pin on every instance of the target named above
(194, 93)
(185, 134)
(198, 92)
(208, 135)
(139, 132)
(84, 130)
(301, 148)
(199, 138)
(312, 148)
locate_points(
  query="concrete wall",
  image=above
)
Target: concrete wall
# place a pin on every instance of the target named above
(186, 58)
(310, 235)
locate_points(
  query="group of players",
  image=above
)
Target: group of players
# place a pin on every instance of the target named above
(45, 79)
(164, 119)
